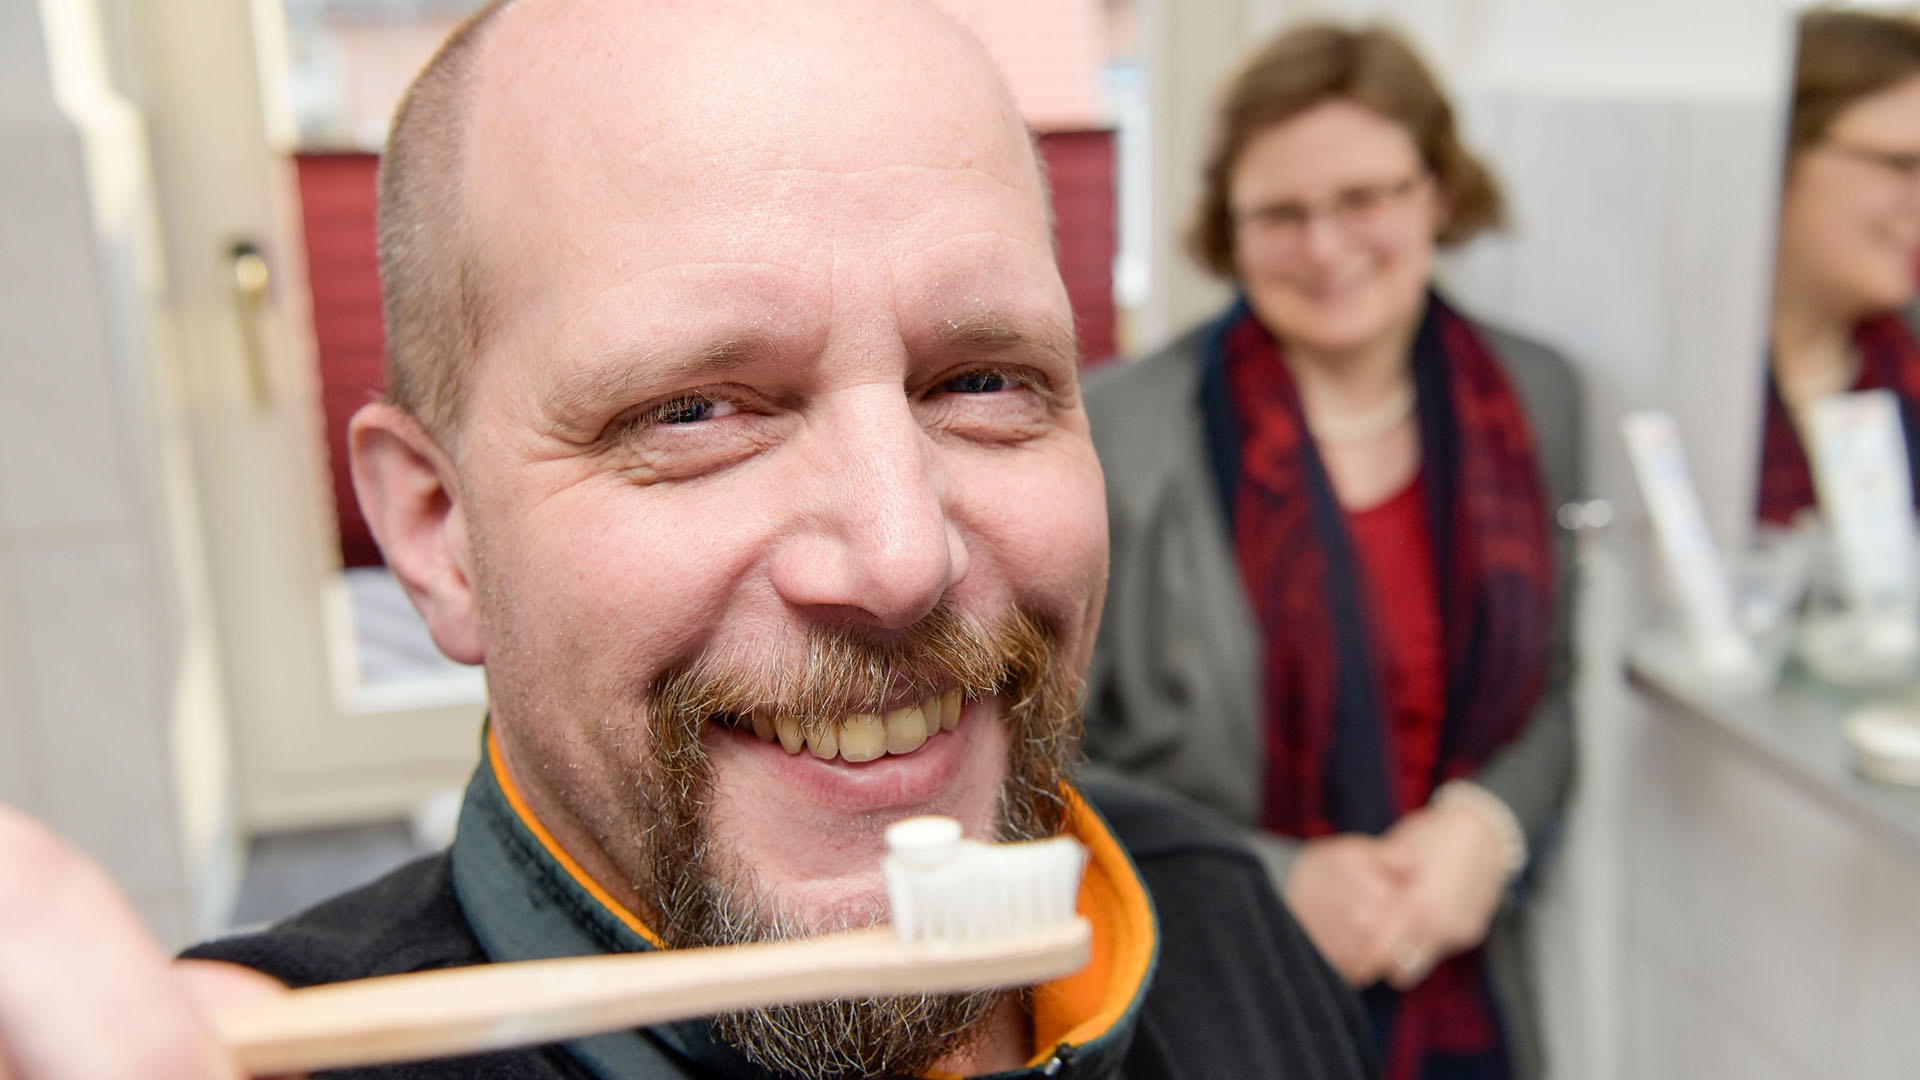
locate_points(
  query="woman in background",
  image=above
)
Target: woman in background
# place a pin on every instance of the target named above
(1844, 316)
(1338, 607)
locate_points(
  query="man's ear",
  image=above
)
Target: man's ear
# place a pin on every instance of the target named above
(410, 494)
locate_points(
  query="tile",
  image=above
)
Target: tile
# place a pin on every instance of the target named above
(23, 58)
(13, 761)
(18, 754)
(94, 702)
(1749, 887)
(1680, 1032)
(61, 403)
(1887, 959)
(1578, 915)
(1572, 276)
(1640, 241)
(1723, 220)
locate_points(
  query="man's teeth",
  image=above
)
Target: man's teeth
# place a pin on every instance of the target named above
(825, 744)
(789, 730)
(864, 736)
(906, 729)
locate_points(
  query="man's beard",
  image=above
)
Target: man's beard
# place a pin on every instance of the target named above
(704, 896)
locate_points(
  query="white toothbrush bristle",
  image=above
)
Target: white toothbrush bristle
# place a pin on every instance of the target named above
(949, 890)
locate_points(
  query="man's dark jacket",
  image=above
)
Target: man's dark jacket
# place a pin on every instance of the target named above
(1235, 990)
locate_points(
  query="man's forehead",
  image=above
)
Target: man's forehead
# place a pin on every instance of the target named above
(621, 143)
(844, 76)
(667, 118)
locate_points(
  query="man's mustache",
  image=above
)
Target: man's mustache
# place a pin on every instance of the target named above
(839, 672)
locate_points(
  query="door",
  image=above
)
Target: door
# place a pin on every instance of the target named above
(311, 744)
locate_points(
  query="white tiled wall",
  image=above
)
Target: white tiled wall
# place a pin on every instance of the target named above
(1640, 246)
(61, 419)
(93, 689)
(1886, 1017)
(15, 779)
(1682, 1034)
(87, 642)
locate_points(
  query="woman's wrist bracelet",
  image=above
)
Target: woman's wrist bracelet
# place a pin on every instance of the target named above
(1498, 816)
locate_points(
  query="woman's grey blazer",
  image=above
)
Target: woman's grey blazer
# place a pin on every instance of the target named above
(1174, 692)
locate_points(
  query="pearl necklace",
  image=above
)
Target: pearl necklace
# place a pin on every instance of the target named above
(1380, 420)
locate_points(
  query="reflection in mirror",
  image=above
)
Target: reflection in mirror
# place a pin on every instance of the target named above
(1843, 387)
(1844, 313)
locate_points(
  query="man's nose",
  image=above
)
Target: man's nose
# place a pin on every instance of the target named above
(873, 540)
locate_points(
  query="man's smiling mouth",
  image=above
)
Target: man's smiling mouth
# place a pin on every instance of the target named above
(858, 737)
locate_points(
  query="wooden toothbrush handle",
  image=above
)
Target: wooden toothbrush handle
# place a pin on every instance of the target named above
(495, 1006)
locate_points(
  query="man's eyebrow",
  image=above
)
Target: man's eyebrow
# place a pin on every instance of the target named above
(993, 334)
(625, 375)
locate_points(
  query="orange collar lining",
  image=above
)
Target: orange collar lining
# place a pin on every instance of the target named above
(1070, 1011)
(1087, 1004)
(553, 848)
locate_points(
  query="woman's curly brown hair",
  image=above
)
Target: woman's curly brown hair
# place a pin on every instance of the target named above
(1842, 57)
(1315, 63)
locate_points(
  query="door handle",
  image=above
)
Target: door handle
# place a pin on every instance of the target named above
(251, 278)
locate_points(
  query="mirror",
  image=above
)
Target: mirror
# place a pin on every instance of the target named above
(1841, 426)
(1844, 316)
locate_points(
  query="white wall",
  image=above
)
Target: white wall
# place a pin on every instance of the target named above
(97, 661)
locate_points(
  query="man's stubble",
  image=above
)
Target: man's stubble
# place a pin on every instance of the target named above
(706, 896)
(699, 894)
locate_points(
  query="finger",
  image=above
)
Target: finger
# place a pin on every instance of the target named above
(1357, 973)
(84, 990)
(213, 985)
(1328, 925)
(1399, 859)
(1376, 866)
(1399, 922)
(1409, 946)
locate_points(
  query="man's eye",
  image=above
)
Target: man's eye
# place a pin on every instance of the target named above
(981, 381)
(686, 409)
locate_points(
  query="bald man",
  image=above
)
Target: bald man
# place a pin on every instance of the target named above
(734, 426)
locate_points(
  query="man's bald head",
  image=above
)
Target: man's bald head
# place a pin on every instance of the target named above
(488, 93)
(429, 278)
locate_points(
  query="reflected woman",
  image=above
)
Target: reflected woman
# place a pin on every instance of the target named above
(1844, 311)
(1338, 607)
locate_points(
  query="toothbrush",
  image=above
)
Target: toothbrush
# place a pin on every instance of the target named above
(967, 916)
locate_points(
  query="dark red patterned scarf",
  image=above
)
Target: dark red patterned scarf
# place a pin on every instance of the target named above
(1329, 762)
(1327, 752)
(1889, 360)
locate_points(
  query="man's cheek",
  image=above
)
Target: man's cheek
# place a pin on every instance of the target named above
(1065, 533)
(636, 568)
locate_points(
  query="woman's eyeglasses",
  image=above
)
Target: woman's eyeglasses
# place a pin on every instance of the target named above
(1904, 164)
(1364, 210)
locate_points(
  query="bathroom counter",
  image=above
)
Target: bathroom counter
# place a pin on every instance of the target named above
(1795, 730)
